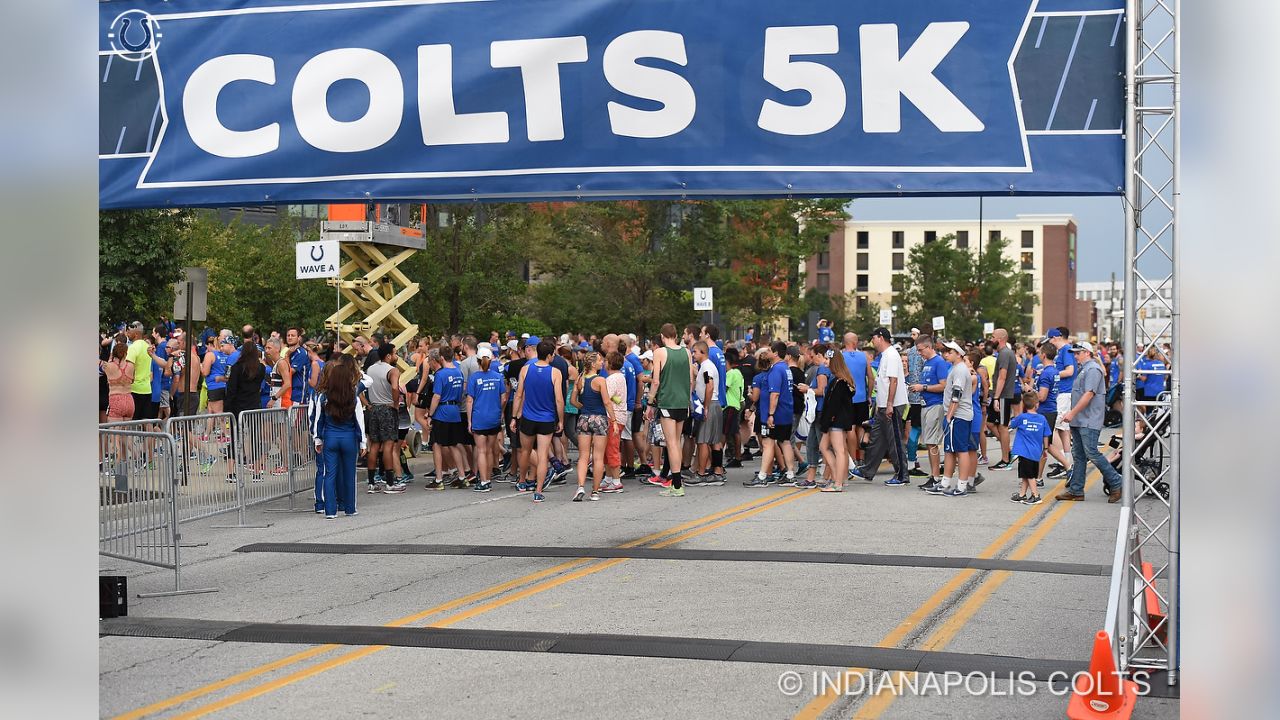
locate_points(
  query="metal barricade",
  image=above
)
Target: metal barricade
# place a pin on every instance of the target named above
(137, 502)
(265, 455)
(301, 457)
(205, 465)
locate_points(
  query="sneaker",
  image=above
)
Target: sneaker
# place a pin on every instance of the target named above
(937, 489)
(916, 472)
(1054, 467)
(395, 488)
(855, 474)
(801, 468)
(659, 481)
(406, 478)
(629, 474)
(458, 482)
(1000, 465)
(775, 478)
(1058, 473)
(955, 492)
(593, 496)
(1019, 498)
(330, 517)
(524, 487)
(713, 479)
(353, 513)
(695, 479)
(756, 482)
(977, 480)
(433, 485)
(482, 487)
(982, 459)
(539, 497)
(932, 483)
(895, 482)
(1032, 500)
(611, 487)
(672, 492)
(1039, 483)
(806, 484)
(788, 481)
(581, 493)
(372, 489)
(733, 464)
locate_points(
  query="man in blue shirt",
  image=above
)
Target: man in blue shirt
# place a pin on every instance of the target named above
(777, 409)
(304, 371)
(860, 371)
(933, 380)
(1065, 361)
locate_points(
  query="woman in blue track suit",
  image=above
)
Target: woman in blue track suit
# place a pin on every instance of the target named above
(338, 430)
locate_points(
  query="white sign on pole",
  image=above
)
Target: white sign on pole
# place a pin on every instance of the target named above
(318, 259)
(939, 323)
(988, 328)
(886, 317)
(702, 298)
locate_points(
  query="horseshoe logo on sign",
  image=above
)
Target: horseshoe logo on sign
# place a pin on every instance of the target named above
(134, 35)
(317, 249)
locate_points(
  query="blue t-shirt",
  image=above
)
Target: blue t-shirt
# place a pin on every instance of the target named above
(977, 424)
(300, 365)
(932, 373)
(760, 381)
(166, 381)
(156, 381)
(780, 382)
(1048, 378)
(448, 386)
(633, 368)
(1154, 384)
(856, 361)
(485, 389)
(716, 356)
(826, 335)
(1031, 430)
(1114, 371)
(1065, 359)
(822, 370)
(220, 367)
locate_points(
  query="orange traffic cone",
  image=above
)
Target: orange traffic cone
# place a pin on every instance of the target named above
(1103, 694)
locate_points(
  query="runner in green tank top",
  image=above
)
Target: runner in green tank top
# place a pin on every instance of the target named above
(674, 385)
(669, 399)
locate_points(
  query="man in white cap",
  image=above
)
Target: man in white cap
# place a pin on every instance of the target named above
(1088, 407)
(957, 397)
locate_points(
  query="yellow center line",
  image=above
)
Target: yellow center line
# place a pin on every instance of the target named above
(820, 703)
(947, 631)
(442, 608)
(267, 687)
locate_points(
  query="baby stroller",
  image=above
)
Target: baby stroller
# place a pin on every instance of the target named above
(1149, 454)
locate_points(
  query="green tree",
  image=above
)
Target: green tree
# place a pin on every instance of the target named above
(966, 289)
(251, 275)
(139, 259)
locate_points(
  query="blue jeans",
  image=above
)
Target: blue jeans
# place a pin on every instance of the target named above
(320, 496)
(341, 447)
(1084, 444)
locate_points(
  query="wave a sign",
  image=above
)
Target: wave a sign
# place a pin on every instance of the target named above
(225, 103)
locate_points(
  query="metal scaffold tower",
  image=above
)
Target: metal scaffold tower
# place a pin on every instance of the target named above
(371, 281)
(1145, 633)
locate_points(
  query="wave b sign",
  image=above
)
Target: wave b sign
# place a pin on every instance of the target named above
(224, 102)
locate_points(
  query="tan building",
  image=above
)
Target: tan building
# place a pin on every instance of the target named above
(869, 258)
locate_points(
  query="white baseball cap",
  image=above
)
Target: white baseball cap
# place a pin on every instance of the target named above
(953, 346)
(1082, 346)
(524, 336)
(484, 351)
(511, 345)
(646, 355)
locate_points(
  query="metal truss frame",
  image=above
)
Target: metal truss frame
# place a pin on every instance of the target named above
(1147, 636)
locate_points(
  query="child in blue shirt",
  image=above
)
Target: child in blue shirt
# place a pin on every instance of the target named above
(1032, 434)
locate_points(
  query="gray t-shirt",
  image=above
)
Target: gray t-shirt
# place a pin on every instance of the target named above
(959, 387)
(468, 366)
(1090, 377)
(1007, 361)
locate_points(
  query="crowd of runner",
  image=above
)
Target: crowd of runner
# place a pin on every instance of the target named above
(673, 412)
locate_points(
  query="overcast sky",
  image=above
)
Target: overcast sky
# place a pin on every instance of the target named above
(1100, 239)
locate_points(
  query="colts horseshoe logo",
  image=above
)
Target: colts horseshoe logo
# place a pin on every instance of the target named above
(134, 35)
(317, 252)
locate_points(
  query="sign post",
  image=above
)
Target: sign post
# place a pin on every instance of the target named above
(191, 302)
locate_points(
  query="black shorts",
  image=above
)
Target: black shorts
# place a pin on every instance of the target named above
(466, 436)
(861, 412)
(914, 414)
(692, 426)
(217, 395)
(781, 433)
(1028, 469)
(1052, 417)
(531, 428)
(730, 422)
(486, 431)
(104, 393)
(637, 417)
(677, 414)
(402, 432)
(1002, 410)
(448, 434)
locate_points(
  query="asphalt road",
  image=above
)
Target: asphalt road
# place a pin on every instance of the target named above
(1033, 615)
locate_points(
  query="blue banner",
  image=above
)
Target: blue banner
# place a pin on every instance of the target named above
(257, 101)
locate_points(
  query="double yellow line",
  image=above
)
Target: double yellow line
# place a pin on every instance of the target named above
(497, 596)
(948, 629)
